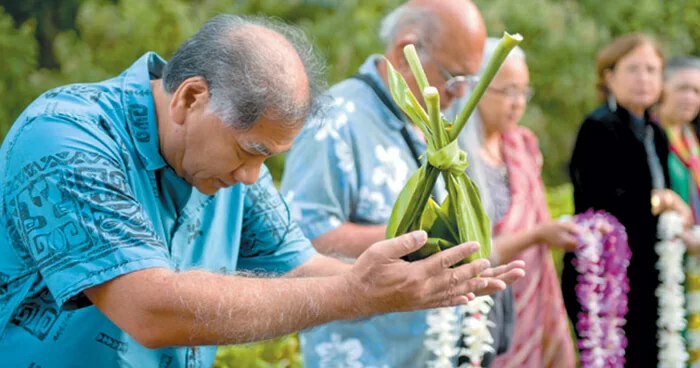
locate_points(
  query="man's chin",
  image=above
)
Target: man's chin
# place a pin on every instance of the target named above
(207, 188)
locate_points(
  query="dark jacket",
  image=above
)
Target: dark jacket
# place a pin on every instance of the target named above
(610, 171)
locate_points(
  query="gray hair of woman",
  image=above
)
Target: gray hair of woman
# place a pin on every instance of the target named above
(472, 137)
(679, 63)
(676, 65)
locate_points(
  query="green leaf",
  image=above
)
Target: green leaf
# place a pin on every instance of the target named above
(430, 214)
(416, 68)
(405, 99)
(449, 158)
(432, 246)
(443, 227)
(508, 42)
(402, 203)
(469, 213)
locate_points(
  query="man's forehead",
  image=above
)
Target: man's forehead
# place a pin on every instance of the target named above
(270, 137)
(462, 56)
(463, 36)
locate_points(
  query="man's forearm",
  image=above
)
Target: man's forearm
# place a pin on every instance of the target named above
(160, 308)
(320, 265)
(349, 240)
(200, 308)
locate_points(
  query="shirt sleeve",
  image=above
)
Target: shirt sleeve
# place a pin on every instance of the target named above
(320, 178)
(68, 208)
(271, 241)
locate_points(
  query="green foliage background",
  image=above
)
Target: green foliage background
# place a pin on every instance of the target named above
(47, 43)
(53, 42)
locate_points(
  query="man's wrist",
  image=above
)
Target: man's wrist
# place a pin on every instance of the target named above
(348, 294)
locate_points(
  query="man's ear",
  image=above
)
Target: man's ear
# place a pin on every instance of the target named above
(193, 93)
(403, 41)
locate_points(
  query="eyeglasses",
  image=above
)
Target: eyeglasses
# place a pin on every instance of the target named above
(456, 85)
(514, 93)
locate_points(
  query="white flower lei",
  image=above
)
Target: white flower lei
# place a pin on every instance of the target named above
(442, 336)
(592, 338)
(475, 329)
(670, 293)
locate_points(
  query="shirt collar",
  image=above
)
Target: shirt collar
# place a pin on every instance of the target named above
(141, 120)
(369, 67)
(638, 125)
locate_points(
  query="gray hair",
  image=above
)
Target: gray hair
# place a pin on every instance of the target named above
(490, 48)
(243, 78)
(423, 22)
(680, 63)
(472, 137)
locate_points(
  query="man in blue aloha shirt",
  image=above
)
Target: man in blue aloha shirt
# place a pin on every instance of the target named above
(345, 172)
(127, 204)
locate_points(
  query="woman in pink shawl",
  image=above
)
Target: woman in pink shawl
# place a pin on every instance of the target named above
(505, 163)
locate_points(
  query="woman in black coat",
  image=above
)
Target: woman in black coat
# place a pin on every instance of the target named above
(618, 164)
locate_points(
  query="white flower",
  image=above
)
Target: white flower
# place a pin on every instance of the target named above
(346, 162)
(337, 101)
(671, 299)
(670, 225)
(330, 127)
(334, 221)
(340, 353)
(350, 107)
(442, 337)
(392, 169)
(475, 328)
(373, 205)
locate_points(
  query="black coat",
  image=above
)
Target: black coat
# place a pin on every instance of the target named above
(610, 171)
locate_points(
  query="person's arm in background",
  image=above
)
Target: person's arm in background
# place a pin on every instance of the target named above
(349, 240)
(552, 233)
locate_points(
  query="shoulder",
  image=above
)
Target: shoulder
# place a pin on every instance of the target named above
(64, 110)
(599, 124)
(349, 106)
(356, 99)
(50, 135)
(86, 100)
(601, 118)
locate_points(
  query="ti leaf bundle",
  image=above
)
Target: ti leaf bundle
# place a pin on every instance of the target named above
(461, 217)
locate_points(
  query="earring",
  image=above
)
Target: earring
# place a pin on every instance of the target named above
(612, 104)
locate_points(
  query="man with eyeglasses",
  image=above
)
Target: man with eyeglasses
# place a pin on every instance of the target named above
(345, 172)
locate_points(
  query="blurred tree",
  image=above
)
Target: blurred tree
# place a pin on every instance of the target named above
(51, 16)
(19, 49)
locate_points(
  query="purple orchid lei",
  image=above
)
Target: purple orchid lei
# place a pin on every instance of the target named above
(602, 261)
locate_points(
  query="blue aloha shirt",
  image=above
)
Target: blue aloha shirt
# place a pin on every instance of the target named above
(86, 197)
(350, 167)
